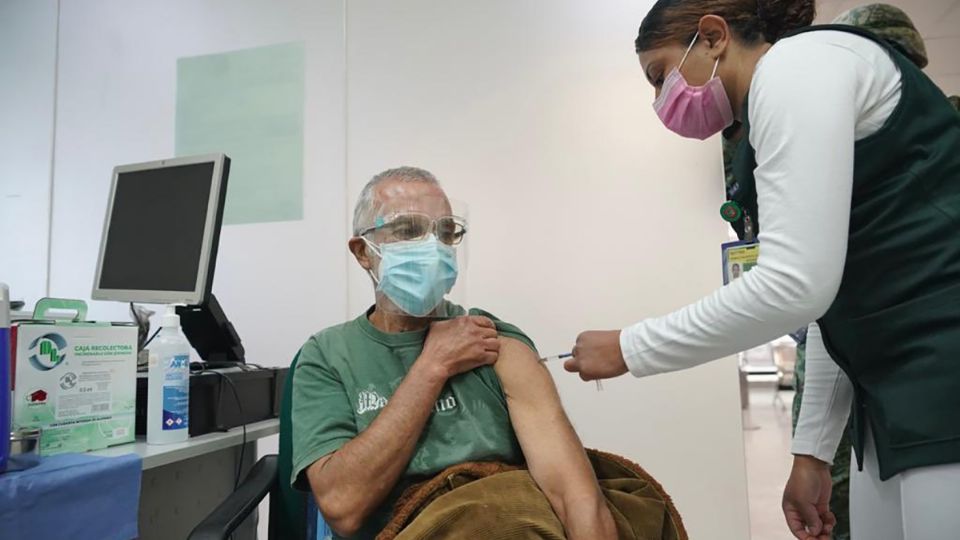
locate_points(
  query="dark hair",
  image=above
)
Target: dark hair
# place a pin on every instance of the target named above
(676, 21)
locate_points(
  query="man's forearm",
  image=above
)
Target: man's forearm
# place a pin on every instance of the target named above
(357, 478)
(589, 520)
(573, 493)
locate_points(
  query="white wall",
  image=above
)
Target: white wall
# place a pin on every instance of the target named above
(28, 44)
(586, 213)
(278, 282)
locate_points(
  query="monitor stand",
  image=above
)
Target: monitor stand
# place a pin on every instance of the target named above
(211, 334)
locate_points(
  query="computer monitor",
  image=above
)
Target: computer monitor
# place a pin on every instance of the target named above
(162, 230)
(159, 246)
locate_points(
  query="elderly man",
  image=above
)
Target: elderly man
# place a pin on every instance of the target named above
(398, 394)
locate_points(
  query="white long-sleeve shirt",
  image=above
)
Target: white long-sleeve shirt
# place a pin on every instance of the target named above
(812, 96)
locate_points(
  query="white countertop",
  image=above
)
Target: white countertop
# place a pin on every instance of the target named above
(157, 455)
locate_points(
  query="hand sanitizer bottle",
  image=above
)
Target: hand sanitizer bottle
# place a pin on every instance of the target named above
(168, 383)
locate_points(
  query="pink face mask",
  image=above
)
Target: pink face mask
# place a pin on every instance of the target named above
(695, 112)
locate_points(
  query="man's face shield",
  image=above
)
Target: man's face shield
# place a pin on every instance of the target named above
(417, 248)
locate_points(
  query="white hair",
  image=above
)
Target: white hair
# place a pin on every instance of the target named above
(363, 212)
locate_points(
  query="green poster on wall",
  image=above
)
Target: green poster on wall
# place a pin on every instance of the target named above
(249, 105)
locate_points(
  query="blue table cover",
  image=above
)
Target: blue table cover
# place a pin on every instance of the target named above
(71, 496)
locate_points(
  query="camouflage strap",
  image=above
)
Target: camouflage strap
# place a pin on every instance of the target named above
(891, 24)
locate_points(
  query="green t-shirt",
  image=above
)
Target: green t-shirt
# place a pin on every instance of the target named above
(347, 373)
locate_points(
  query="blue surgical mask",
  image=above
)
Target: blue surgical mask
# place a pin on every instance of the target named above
(415, 276)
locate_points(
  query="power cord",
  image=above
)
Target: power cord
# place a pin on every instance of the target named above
(204, 371)
(250, 367)
(133, 313)
(243, 423)
(147, 342)
(142, 324)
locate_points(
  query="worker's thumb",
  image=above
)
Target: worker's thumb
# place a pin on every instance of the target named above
(572, 365)
(811, 518)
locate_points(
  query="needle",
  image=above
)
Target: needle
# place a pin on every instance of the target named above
(556, 357)
(568, 355)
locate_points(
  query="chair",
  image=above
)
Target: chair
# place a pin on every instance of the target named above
(293, 515)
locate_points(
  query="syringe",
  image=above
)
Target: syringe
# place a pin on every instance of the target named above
(556, 357)
(565, 356)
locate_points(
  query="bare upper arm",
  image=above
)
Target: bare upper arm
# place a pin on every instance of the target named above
(554, 453)
(536, 413)
(523, 376)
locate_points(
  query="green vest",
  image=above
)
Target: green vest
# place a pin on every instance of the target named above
(894, 327)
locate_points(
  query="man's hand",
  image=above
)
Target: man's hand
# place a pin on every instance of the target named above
(597, 355)
(806, 500)
(459, 345)
(352, 482)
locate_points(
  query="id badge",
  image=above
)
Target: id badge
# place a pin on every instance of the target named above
(738, 259)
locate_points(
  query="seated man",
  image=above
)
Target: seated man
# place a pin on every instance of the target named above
(396, 396)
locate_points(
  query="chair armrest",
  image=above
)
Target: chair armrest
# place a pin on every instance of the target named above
(225, 518)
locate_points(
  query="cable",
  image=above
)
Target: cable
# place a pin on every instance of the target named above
(147, 342)
(250, 367)
(141, 331)
(243, 422)
(140, 324)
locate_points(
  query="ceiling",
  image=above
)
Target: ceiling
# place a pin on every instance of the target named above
(939, 24)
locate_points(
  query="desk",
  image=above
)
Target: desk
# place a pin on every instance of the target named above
(158, 455)
(183, 482)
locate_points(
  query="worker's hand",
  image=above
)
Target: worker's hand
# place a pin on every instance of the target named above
(458, 345)
(597, 355)
(806, 499)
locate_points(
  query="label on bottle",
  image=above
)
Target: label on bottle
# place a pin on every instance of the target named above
(176, 393)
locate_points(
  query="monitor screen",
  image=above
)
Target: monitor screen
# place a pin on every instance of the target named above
(156, 229)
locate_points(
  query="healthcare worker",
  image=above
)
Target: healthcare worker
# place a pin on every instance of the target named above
(893, 25)
(849, 174)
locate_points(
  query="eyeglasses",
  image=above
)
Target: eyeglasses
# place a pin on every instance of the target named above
(411, 226)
